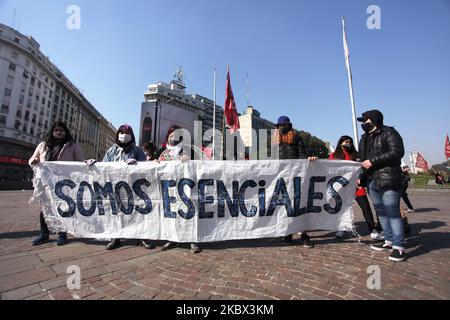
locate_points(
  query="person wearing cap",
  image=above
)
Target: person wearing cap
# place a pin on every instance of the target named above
(291, 146)
(381, 150)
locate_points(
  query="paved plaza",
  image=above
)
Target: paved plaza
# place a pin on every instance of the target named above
(251, 269)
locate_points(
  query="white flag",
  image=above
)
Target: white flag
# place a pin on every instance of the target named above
(346, 50)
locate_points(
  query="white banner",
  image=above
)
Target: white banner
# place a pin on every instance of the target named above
(196, 201)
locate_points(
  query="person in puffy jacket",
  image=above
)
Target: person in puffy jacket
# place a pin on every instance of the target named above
(381, 150)
(58, 145)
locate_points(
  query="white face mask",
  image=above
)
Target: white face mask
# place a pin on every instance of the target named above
(124, 138)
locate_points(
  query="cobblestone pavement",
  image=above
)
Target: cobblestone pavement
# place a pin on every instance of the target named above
(252, 269)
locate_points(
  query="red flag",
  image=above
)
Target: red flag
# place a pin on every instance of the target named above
(230, 112)
(421, 163)
(447, 148)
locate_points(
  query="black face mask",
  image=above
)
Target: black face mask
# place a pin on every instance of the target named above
(367, 127)
(284, 129)
(347, 147)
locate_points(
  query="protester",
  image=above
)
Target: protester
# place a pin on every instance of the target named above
(174, 149)
(345, 150)
(439, 179)
(291, 146)
(149, 150)
(58, 145)
(125, 149)
(381, 150)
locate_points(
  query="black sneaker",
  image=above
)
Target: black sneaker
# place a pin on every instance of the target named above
(195, 248)
(114, 244)
(397, 255)
(62, 239)
(307, 243)
(168, 245)
(381, 247)
(147, 244)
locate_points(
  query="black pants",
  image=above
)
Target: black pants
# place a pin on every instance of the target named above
(44, 227)
(405, 198)
(363, 203)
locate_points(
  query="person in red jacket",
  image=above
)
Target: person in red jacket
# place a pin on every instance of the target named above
(345, 150)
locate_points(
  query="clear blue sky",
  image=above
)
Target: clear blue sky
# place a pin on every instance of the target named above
(292, 51)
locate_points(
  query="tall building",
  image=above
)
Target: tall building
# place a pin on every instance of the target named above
(168, 104)
(250, 123)
(33, 94)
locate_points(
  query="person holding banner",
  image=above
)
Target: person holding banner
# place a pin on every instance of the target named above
(381, 150)
(345, 150)
(291, 146)
(174, 149)
(58, 145)
(125, 149)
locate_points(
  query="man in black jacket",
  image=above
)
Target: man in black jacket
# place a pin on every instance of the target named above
(381, 150)
(291, 146)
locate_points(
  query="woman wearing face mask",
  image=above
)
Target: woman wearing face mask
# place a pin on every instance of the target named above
(125, 149)
(345, 150)
(58, 145)
(175, 150)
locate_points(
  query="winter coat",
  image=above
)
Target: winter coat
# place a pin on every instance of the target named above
(384, 148)
(116, 154)
(71, 151)
(294, 150)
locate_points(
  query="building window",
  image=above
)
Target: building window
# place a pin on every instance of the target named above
(16, 40)
(19, 114)
(21, 98)
(7, 92)
(15, 55)
(2, 120)
(33, 119)
(5, 109)
(10, 80)
(39, 84)
(32, 130)
(17, 125)
(27, 115)
(24, 128)
(32, 81)
(12, 67)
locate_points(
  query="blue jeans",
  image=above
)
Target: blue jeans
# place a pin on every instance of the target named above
(387, 206)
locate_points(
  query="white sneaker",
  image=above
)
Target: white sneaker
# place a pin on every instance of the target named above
(340, 234)
(409, 210)
(375, 235)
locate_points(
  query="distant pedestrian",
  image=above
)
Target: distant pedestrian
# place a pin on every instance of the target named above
(58, 145)
(149, 149)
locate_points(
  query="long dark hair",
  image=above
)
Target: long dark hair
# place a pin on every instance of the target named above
(339, 152)
(50, 141)
(169, 132)
(127, 129)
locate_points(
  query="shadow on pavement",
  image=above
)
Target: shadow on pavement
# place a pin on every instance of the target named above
(19, 234)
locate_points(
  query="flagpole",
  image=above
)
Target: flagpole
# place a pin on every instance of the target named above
(214, 119)
(350, 83)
